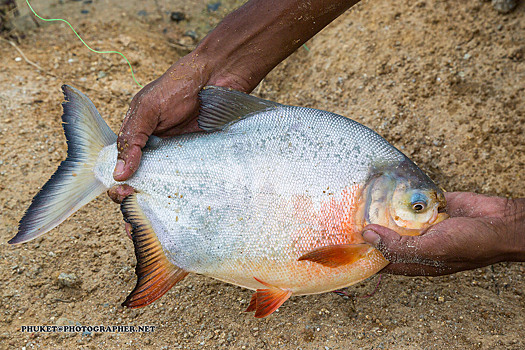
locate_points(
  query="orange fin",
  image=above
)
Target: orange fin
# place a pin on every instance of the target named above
(155, 274)
(266, 301)
(253, 303)
(337, 255)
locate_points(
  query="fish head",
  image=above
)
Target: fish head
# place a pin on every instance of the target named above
(403, 199)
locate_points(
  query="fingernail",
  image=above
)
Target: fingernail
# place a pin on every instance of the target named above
(371, 237)
(119, 168)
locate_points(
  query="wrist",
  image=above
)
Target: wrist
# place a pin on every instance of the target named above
(256, 37)
(225, 66)
(232, 60)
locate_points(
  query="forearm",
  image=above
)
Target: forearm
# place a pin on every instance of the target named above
(252, 40)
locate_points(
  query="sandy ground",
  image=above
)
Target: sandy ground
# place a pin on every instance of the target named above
(444, 81)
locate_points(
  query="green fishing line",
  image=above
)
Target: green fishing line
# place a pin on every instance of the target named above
(83, 42)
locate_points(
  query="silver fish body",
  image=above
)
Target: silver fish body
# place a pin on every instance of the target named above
(245, 201)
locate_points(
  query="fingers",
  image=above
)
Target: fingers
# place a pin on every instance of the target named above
(139, 124)
(468, 204)
(413, 269)
(394, 247)
(190, 126)
(118, 193)
(408, 255)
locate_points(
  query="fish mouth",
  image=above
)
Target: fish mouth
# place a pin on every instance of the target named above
(441, 213)
(438, 218)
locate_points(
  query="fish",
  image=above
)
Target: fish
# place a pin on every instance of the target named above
(269, 197)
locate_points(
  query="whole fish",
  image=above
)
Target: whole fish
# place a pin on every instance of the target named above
(271, 197)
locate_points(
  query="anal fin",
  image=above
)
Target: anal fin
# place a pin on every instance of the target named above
(155, 273)
(253, 303)
(336, 255)
(265, 301)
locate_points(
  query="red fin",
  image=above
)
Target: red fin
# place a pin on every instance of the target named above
(155, 274)
(253, 303)
(266, 301)
(336, 255)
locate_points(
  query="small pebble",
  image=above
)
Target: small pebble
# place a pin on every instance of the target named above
(62, 321)
(504, 6)
(177, 16)
(18, 59)
(214, 6)
(68, 280)
(191, 34)
(101, 75)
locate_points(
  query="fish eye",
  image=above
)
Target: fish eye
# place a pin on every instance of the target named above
(418, 202)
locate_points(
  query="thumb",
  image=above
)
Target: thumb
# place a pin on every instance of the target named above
(139, 124)
(394, 247)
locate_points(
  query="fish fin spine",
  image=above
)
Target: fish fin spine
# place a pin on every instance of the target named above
(74, 183)
(336, 255)
(266, 300)
(221, 107)
(155, 273)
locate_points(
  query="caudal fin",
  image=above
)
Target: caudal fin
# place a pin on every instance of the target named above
(73, 184)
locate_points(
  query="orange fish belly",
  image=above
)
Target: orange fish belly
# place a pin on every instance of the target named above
(333, 221)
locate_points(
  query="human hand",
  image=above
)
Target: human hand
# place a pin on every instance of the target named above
(166, 107)
(481, 231)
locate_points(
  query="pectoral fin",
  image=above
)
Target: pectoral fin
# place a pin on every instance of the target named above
(337, 255)
(155, 273)
(266, 301)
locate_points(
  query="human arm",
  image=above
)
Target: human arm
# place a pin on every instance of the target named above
(481, 231)
(238, 54)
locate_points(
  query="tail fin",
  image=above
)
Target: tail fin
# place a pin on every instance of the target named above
(73, 184)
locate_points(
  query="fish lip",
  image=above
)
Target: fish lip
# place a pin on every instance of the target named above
(440, 216)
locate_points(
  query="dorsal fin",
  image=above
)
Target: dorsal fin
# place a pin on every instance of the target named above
(155, 273)
(221, 107)
(153, 142)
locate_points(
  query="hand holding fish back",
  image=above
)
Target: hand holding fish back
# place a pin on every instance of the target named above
(482, 231)
(168, 106)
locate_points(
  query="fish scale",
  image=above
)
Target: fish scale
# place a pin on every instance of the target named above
(271, 197)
